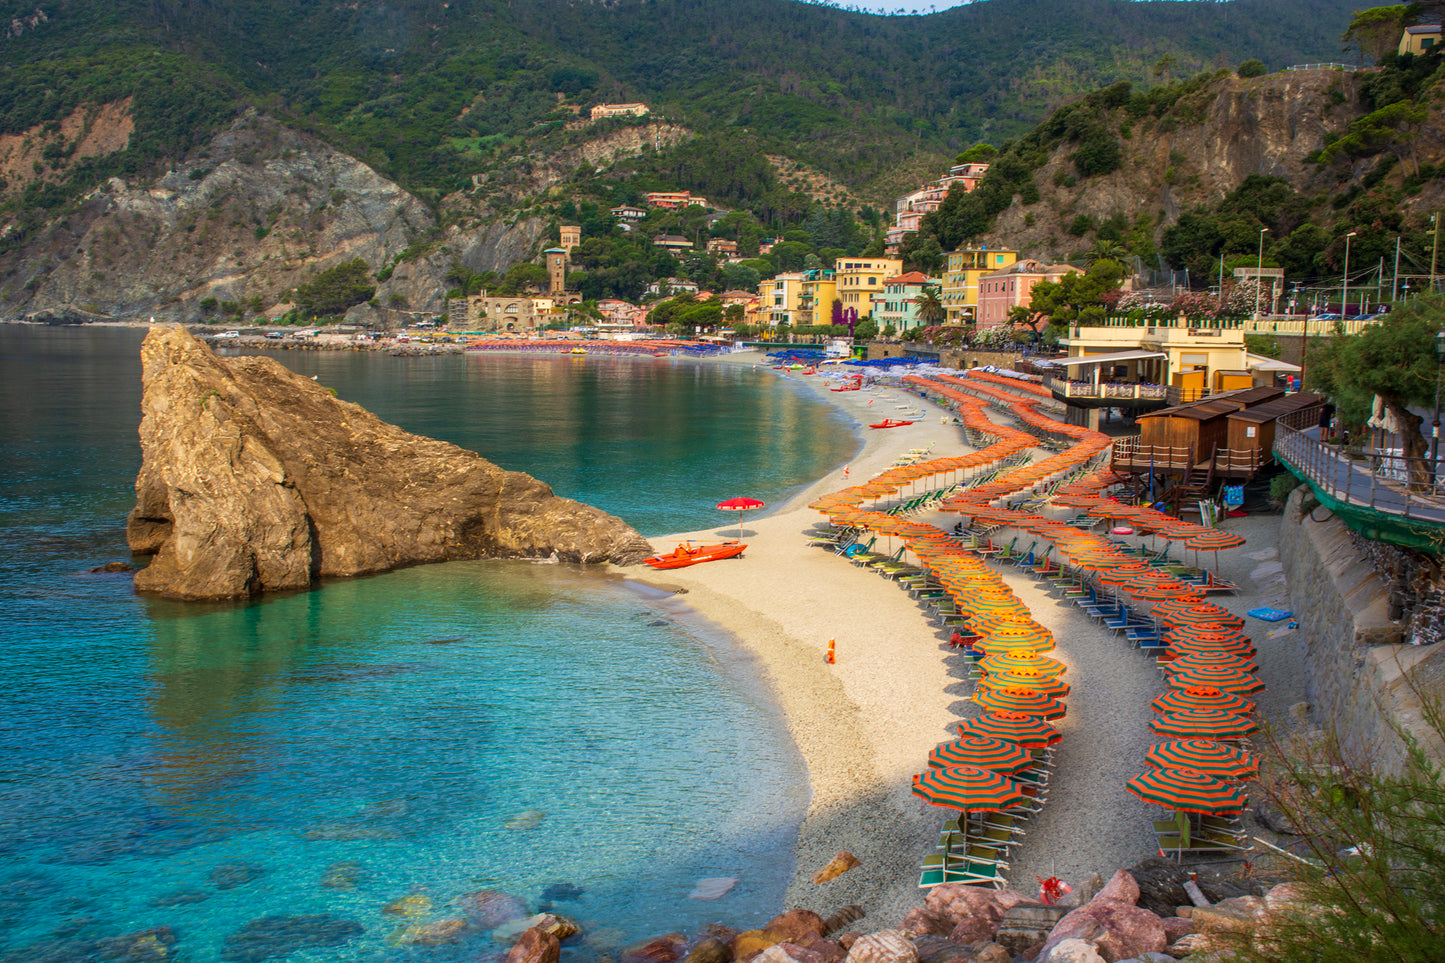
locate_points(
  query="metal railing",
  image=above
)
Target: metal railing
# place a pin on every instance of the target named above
(1383, 481)
(1107, 389)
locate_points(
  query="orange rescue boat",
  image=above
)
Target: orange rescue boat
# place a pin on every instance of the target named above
(685, 555)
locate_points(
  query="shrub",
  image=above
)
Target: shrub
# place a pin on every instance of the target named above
(1281, 485)
(1251, 68)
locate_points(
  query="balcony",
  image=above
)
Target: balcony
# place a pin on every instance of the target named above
(1116, 392)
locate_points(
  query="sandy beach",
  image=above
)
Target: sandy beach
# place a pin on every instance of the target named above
(865, 724)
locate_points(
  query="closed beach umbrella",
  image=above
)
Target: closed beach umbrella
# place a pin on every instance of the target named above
(1202, 697)
(1203, 724)
(739, 505)
(1230, 680)
(1204, 755)
(1187, 790)
(1030, 702)
(1030, 732)
(1000, 755)
(967, 788)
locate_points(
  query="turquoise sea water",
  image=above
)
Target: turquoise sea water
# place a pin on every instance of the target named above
(264, 779)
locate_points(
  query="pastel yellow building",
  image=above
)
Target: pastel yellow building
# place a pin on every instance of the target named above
(820, 290)
(961, 276)
(779, 298)
(859, 278)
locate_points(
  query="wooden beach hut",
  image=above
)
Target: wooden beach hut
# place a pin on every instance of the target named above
(1251, 430)
(1184, 436)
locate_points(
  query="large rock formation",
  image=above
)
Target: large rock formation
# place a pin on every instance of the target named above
(256, 479)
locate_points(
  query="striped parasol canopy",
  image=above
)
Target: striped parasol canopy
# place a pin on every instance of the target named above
(1123, 573)
(1230, 680)
(992, 646)
(1028, 731)
(1208, 660)
(1203, 724)
(1202, 697)
(1014, 632)
(1205, 614)
(1212, 540)
(1165, 591)
(1014, 661)
(1242, 650)
(1204, 755)
(1187, 790)
(1051, 686)
(967, 788)
(1000, 755)
(1208, 634)
(1173, 606)
(1030, 702)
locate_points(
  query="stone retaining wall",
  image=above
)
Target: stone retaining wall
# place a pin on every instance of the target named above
(1362, 683)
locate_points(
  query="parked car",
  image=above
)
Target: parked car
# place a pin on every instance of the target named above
(1326, 317)
(228, 335)
(274, 335)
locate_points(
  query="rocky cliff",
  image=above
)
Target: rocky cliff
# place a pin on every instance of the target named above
(256, 479)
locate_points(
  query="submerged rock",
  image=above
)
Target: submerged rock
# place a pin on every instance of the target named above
(231, 875)
(273, 936)
(343, 875)
(528, 819)
(256, 479)
(562, 892)
(414, 904)
(489, 908)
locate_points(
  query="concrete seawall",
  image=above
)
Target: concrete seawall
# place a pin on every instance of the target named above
(1362, 682)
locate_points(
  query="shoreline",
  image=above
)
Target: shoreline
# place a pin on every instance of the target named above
(861, 743)
(865, 725)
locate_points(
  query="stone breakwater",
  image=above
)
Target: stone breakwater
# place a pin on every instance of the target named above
(257, 479)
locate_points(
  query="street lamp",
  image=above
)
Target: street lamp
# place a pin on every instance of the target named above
(1435, 428)
(1345, 281)
(1434, 248)
(1259, 273)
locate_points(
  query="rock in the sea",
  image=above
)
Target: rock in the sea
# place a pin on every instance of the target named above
(709, 950)
(114, 567)
(231, 875)
(528, 819)
(146, 946)
(413, 904)
(254, 479)
(562, 892)
(713, 887)
(667, 948)
(836, 867)
(558, 926)
(536, 946)
(273, 936)
(433, 933)
(344, 874)
(490, 909)
(885, 946)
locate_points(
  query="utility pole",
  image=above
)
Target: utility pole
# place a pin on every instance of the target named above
(1434, 247)
(1395, 284)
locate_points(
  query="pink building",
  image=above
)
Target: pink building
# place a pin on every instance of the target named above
(1001, 291)
(910, 208)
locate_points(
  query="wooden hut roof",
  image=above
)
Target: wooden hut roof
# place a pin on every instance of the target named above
(1279, 406)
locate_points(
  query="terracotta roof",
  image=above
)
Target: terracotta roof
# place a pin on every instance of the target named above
(912, 277)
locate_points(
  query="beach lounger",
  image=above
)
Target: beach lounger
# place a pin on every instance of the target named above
(1200, 844)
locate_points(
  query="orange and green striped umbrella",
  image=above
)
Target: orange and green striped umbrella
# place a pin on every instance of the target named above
(1000, 755)
(1230, 680)
(1203, 724)
(1187, 790)
(1209, 660)
(1013, 661)
(1204, 755)
(1030, 702)
(1201, 697)
(967, 788)
(1052, 687)
(1028, 731)
(1212, 540)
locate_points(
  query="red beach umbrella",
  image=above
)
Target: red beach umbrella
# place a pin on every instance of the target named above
(1187, 790)
(1205, 755)
(739, 505)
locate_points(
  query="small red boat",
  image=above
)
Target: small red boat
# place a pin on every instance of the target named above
(890, 423)
(685, 555)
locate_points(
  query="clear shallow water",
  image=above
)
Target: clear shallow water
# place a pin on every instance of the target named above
(430, 732)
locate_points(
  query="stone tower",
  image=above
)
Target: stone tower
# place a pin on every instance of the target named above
(571, 237)
(556, 270)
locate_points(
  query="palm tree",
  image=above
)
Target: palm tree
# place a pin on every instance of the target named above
(930, 307)
(1105, 250)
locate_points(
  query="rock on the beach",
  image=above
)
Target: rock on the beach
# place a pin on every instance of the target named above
(885, 946)
(490, 909)
(1161, 884)
(667, 948)
(920, 921)
(1187, 945)
(535, 946)
(255, 479)
(1176, 927)
(794, 925)
(1235, 913)
(713, 887)
(991, 953)
(1122, 887)
(939, 949)
(836, 867)
(749, 943)
(1119, 929)
(1071, 951)
(973, 912)
(788, 953)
